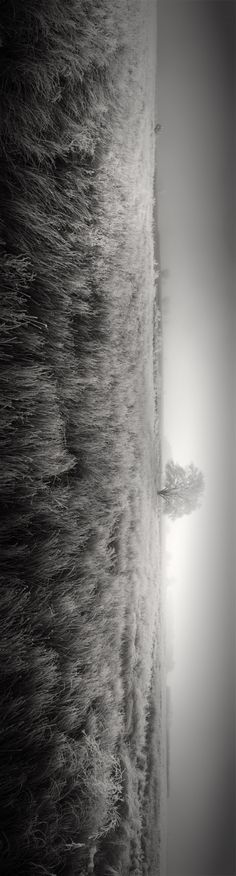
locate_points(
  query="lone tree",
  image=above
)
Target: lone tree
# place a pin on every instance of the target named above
(183, 489)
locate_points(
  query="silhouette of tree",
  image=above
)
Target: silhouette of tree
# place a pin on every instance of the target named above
(183, 489)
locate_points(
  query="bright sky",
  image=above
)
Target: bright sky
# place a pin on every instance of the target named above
(196, 159)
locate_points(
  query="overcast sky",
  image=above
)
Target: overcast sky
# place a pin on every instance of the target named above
(196, 101)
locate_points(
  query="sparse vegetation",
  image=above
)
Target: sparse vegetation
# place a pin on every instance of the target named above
(79, 432)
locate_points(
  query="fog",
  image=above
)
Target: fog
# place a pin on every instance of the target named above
(196, 105)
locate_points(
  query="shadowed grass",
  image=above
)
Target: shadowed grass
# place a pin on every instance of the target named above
(78, 414)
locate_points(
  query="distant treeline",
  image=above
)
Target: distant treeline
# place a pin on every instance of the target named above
(168, 729)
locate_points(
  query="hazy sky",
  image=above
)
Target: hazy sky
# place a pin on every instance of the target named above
(196, 102)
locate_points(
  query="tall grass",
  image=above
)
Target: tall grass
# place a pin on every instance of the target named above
(77, 462)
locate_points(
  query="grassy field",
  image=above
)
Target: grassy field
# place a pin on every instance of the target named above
(80, 598)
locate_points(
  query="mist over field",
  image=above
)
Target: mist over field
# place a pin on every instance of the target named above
(116, 628)
(196, 104)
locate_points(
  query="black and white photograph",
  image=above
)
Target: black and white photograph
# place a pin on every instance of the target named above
(117, 437)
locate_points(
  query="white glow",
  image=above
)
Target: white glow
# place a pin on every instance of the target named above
(194, 221)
